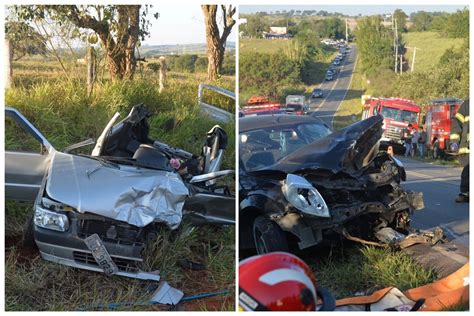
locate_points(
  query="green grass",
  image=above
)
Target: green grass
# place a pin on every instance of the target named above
(36, 285)
(367, 269)
(430, 47)
(260, 45)
(63, 111)
(350, 110)
(312, 76)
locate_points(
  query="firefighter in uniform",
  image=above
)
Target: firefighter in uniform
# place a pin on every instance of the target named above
(460, 143)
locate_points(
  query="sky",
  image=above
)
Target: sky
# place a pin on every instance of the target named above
(179, 24)
(352, 10)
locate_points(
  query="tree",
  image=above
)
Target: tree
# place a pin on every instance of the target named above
(25, 40)
(374, 43)
(256, 25)
(216, 42)
(119, 28)
(401, 19)
(421, 21)
(457, 24)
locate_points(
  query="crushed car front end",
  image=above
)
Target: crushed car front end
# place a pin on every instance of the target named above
(101, 210)
(340, 184)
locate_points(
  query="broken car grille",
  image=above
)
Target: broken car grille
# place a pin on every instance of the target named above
(111, 231)
(125, 265)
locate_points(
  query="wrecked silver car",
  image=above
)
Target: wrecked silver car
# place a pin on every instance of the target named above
(97, 211)
(300, 183)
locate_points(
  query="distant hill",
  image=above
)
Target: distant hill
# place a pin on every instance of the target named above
(147, 51)
(198, 49)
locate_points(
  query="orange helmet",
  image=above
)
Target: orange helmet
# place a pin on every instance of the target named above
(279, 281)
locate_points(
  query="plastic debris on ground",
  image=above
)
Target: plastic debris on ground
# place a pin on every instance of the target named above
(166, 294)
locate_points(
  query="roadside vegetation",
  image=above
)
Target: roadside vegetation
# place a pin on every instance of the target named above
(51, 92)
(277, 68)
(351, 271)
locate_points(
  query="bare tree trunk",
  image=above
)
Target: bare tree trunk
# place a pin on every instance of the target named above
(215, 41)
(91, 69)
(8, 64)
(133, 13)
(120, 52)
(163, 70)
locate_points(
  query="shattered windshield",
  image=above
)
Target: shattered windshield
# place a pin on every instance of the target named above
(400, 115)
(263, 147)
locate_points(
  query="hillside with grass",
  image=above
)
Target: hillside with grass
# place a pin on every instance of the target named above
(264, 46)
(430, 47)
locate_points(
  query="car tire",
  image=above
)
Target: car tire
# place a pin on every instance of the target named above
(268, 236)
(28, 238)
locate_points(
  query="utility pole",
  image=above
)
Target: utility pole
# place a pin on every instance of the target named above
(401, 63)
(347, 33)
(413, 61)
(414, 57)
(396, 44)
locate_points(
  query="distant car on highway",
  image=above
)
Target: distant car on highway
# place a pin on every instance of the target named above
(336, 62)
(329, 77)
(317, 93)
(333, 71)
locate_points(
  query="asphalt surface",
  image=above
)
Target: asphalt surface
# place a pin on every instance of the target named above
(440, 186)
(335, 91)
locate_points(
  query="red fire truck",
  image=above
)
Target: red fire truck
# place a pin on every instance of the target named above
(439, 113)
(397, 113)
(260, 105)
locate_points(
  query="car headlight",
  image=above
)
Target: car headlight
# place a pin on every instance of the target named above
(50, 220)
(303, 196)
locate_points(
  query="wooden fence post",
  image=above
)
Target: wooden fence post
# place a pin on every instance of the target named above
(163, 70)
(8, 64)
(91, 69)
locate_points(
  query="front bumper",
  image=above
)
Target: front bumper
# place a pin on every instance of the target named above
(310, 230)
(69, 248)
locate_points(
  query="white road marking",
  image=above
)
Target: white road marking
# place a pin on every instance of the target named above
(347, 90)
(423, 176)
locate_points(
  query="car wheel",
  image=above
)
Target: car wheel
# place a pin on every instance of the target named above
(28, 239)
(268, 236)
(436, 153)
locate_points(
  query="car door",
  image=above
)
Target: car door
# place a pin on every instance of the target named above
(27, 157)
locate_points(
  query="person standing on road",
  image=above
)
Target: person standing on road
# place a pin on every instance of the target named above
(422, 142)
(414, 142)
(460, 144)
(407, 138)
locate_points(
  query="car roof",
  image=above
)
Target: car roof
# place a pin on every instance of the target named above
(248, 123)
(317, 89)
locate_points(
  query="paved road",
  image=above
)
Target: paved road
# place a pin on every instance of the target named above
(335, 91)
(440, 186)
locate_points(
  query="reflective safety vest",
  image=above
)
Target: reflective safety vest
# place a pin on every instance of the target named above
(460, 128)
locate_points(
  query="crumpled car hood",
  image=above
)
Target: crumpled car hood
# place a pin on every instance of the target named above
(346, 150)
(133, 195)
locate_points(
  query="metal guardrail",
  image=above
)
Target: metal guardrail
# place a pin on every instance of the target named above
(215, 112)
